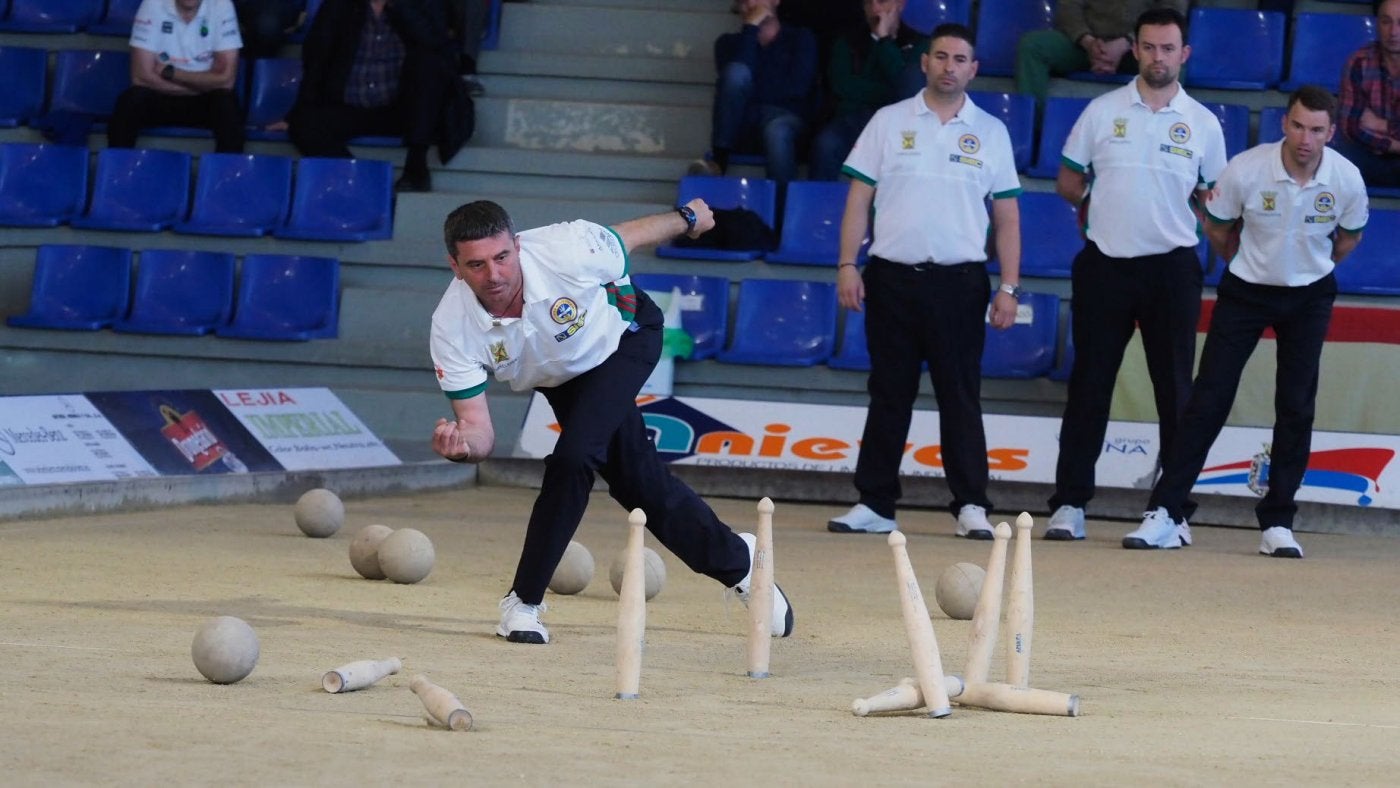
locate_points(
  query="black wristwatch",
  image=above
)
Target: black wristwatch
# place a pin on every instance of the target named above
(1014, 291)
(689, 216)
(168, 73)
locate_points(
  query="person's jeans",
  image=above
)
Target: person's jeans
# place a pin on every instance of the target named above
(739, 125)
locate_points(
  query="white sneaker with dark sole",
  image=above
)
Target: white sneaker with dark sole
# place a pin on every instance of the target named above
(1278, 542)
(973, 523)
(1157, 532)
(520, 623)
(861, 519)
(782, 611)
(1066, 524)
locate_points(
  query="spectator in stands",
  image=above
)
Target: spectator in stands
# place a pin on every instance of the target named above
(266, 25)
(1089, 35)
(930, 166)
(766, 92)
(871, 66)
(1370, 105)
(1284, 214)
(516, 310)
(1152, 151)
(184, 65)
(382, 67)
(469, 20)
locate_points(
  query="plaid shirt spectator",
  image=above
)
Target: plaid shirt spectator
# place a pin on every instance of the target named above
(1367, 85)
(374, 76)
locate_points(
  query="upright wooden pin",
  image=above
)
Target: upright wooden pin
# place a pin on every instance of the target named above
(928, 664)
(986, 617)
(359, 674)
(761, 594)
(1020, 608)
(632, 611)
(442, 707)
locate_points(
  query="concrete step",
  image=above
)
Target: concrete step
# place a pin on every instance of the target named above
(697, 71)
(620, 91)
(586, 126)
(642, 30)
(711, 6)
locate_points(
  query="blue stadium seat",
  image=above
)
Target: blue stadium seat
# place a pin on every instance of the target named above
(285, 297)
(240, 195)
(272, 90)
(1234, 123)
(22, 97)
(1271, 124)
(312, 6)
(812, 224)
(1017, 111)
(51, 16)
(1050, 227)
(1060, 114)
(117, 20)
(1374, 268)
(854, 354)
(1236, 49)
(88, 81)
(341, 200)
(784, 323)
(41, 185)
(1026, 349)
(1000, 24)
(138, 190)
(925, 15)
(759, 195)
(1321, 44)
(180, 292)
(704, 307)
(79, 288)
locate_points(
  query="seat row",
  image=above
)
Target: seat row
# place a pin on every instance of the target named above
(140, 190)
(794, 324)
(1231, 48)
(278, 297)
(1050, 232)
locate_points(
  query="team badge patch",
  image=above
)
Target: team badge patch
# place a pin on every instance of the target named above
(969, 144)
(1120, 127)
(498, 352)
(1179, 133)
(1324, 203)
(906, 140)
(1270, 200)
(563, 310)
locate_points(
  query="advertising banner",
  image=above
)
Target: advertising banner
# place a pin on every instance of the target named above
(183, 433)
(62, 438)
(306, 428)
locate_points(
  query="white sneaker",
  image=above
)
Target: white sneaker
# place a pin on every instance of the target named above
(861, 519)
(1066, 524)
(520, 623)
(1157, 532)
(973, 524)
(1183, 532)
(1279, 543)
(782, 611)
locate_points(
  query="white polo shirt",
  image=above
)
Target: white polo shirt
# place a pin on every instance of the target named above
(1145, 165)
(1285, 238)
(931, 180)
(576, 293)
(189, 46)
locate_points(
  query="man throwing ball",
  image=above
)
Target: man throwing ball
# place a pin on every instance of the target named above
(552, 309)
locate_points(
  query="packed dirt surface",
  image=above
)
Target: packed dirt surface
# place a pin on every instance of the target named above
(1208, 665)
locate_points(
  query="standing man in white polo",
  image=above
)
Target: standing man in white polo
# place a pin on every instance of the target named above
(928, 164)
(1142, 152)
(1300, 207)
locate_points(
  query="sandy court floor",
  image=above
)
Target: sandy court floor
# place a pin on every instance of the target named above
(1210, 665)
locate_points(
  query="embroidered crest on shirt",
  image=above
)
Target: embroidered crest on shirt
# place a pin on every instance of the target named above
(1180, 133)
(563, 310)
(1120, 128)
(906, 140)
(498, 353)
(1269, 200)
(969, 144)
(1324, 203)
(572, 329)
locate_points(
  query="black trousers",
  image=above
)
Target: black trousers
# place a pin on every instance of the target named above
(326, 129)
(142, 108)
(933, 314)
(1299, 317)
(1161, 295)
(602, 433)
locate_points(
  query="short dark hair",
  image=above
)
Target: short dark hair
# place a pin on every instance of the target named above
(474, 221)
(1316, 99)
(1376, 7)
(954, 30)
(1161, 16)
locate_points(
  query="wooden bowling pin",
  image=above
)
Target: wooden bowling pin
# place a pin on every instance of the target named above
(360, 674)
(443, 708)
